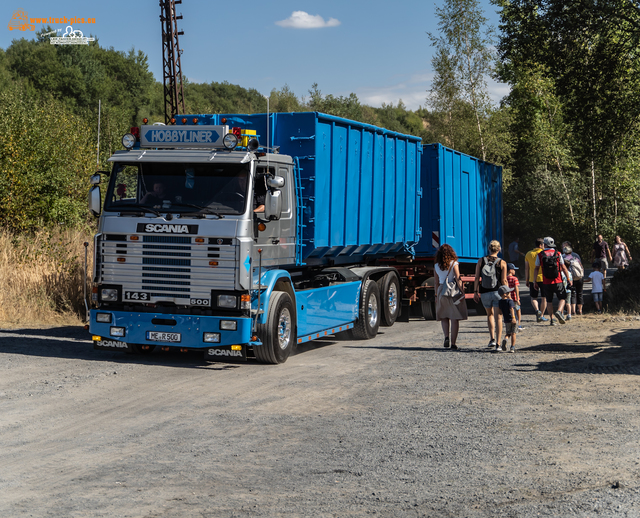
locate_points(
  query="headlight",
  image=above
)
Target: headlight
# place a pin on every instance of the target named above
(227, 301)
(211, 337)
(105, 318)
(117, 331)
(229, 325)
(230, 141)
(109, 295)
(128, 140)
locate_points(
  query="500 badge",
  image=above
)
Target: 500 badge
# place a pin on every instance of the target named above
(200, 302)
(136, 295)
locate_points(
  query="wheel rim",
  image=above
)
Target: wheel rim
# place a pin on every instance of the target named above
(372, 311)
(284, 329)
(393, 299)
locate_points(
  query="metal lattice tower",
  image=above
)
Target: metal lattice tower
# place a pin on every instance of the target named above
(172, 73)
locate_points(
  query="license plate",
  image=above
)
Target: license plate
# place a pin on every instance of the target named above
(159, 336)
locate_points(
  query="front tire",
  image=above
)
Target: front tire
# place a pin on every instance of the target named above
(368, 321)
(390, 296)
(278, 335)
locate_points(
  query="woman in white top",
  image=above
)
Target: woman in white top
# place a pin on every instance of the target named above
(447, 310)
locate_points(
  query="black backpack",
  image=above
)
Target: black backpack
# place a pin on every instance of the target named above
(550, 266)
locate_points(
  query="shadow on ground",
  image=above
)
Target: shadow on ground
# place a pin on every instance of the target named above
(620, 355)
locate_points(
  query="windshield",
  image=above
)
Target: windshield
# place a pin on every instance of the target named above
(179, 188)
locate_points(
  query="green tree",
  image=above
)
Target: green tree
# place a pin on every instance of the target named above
(462, 61)
(588, 52)
(46, 156)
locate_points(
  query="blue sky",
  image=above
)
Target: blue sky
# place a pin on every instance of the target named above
(378, 50)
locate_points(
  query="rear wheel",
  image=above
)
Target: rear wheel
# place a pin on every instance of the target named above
(278, 335)
(428, 305)
(369, 312)
(480, 309)
(389, 287)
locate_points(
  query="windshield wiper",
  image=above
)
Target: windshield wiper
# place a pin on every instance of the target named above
(201, 210)
(134, 206)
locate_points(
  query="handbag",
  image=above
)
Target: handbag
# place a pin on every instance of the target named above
(451, 289)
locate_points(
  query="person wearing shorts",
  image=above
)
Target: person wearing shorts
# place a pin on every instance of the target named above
(601, 252)
(529, 269)
(552, 286)
(489, 296)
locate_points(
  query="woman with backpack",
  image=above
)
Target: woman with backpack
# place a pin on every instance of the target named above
(577, 273)
(449, 309)
(491, 273)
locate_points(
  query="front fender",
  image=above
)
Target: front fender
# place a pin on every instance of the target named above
(268, 283)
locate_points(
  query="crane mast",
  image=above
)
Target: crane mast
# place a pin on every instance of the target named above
(171, 70)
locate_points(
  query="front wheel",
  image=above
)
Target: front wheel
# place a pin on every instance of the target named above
(278, 335)
(369, 312)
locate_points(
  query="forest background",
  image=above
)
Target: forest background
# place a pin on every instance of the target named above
(566, 135)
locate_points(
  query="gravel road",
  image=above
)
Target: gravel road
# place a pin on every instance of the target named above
(396, 426)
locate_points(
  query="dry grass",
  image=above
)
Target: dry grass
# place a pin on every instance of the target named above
(41, 278)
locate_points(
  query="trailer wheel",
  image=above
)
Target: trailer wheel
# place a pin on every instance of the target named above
(278, 335)
(480, 309)
(389, 287)
(137, 349)
(368, 322)
(428, 308)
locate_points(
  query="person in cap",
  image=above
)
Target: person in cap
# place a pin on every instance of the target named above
(529, 268)
(514, 283)
(507, 306)
(551, 264)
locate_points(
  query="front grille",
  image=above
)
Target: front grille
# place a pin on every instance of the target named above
(168, 267)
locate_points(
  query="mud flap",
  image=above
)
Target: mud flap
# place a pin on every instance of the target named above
(225, 353)
(111, 345)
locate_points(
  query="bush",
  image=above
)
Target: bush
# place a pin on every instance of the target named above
(624, 291)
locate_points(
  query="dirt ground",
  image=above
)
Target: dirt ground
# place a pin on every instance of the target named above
(395, 426)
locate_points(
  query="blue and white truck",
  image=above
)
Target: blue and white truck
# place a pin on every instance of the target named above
(244, 235)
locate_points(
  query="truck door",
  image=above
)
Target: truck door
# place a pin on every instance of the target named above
(277, 240)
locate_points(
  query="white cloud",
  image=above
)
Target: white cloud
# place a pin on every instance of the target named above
(302, 20)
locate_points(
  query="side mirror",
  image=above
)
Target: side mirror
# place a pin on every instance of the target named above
(95, 179)
(95, 201)
(275, 182)
(273, 205)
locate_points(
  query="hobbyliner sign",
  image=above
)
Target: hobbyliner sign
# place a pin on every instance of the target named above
(171, 136)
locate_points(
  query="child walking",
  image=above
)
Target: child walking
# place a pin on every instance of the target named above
(567, 282)
(507, 305)
(597, 285)
(513, 282)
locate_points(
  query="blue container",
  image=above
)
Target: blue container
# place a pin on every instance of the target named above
(359, 184)
(462, 203)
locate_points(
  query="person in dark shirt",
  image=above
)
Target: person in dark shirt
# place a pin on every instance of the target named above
(601, 252)
(508, 308)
